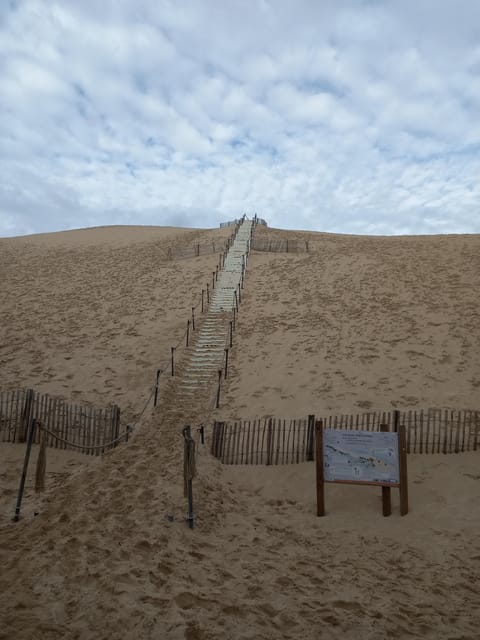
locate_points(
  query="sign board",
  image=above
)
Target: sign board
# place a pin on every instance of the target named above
(368, 457)
(363, 457)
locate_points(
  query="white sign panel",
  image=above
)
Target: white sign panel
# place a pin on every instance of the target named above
(360, 456)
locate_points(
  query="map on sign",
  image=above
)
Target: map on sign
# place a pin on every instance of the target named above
(360, 456)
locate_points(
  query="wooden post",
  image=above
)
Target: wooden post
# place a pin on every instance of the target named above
(156, 385)
(233, 318)
(226, 363)
(216, 273)
(23, 431)
(311, 438)
(217, 405)
(269, 442)
(386, 491)
(476, 432)
(41, 464)
(203, 293)
(188, 333)
(239, 294)
(173, 363)
(319, 468)
(193, 318)
(30, 436)
(208, 294)
(231, 334)
(188, 471)
(198, 250)
(213, 279)
(402, 461)
(236, 299)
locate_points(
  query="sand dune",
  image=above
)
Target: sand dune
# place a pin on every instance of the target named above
(90, 314)
(110, 556)
(359, 324)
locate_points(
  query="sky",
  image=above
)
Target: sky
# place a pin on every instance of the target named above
(339, 116)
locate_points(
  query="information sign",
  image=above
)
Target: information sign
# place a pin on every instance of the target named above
(368, 457)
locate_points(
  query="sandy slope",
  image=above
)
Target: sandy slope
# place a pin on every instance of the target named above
(90, 314)
(110, 556)
(360, 323)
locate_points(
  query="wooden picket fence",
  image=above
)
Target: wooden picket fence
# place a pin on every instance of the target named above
(277, 441)
(67, 426)
(195, 250)
(280, 246)
(231, 223)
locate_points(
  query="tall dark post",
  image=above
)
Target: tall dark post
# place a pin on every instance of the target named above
(30, 436)
(173, 363)
(310, 437)
(208, 294)
(218, 388)
(216, 273)
(213, 279)
(386, 491)
(226, 363)
(156, 385)
(236, 299)
(239, 294)
(319, 467)
(193, 318)
(188, 333)
(203, 293)
(233, 320)
(231, 334)
(189, 454)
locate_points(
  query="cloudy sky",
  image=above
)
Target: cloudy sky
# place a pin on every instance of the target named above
(343, 116)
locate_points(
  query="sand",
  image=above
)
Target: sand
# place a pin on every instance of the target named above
(109, 554)
(90, 315)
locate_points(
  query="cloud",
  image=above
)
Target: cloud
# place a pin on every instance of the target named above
(338, 116)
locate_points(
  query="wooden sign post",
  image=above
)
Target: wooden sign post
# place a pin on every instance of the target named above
(362, 457)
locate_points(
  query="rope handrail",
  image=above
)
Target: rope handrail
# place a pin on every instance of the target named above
(82, 446)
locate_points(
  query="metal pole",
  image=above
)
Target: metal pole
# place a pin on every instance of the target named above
(236, 299)
(188, 332)
(193, 318)
(226, 363)
(231, 334)
(233, 310)
(213, 279)
(208, 294)
(203, 293)
(173, 364)
(156, 386)
(31, 434)
(216, 273)
(239, 294)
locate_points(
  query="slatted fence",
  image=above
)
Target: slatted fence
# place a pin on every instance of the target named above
(196, 250)
(67, 425)
(280, 246)
(229, 224)
(278, 441)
